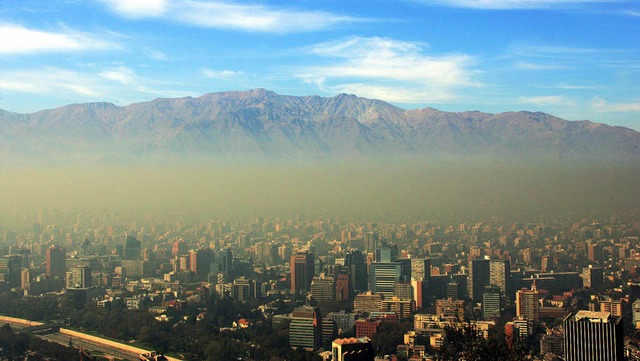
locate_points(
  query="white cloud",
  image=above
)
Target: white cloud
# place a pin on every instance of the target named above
(602, 106)
(122, 74)
(546, 100)
(139, 8)
(394, 70)
(512, 4)
(229, 15)
(49, 80)
(16, 39)
(536, 66)
(220, 74)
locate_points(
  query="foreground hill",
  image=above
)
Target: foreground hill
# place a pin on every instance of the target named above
(262, 124)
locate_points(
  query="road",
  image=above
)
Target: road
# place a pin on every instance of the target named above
(88, 342)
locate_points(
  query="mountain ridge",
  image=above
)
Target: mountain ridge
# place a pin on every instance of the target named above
(263, 124)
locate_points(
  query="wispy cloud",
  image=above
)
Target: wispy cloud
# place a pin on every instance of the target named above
(512, 4)
(547, 100)
(219, 74)
(550, 51)
(17, 39)
(49, 80)
(230, 15)
(567, 86)
(537, 66)
(389, 69)
(121, 74)
(602, 106)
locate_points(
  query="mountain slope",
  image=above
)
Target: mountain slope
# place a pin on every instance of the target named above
(259, 123)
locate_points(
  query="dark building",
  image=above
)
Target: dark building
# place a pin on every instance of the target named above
(357, 264)
(592, 336)
(56, 262)
(131, 249)
(386, 253)
(199, 261)
(11, 270)
(302, 271)
(479, 278)
(383, 277)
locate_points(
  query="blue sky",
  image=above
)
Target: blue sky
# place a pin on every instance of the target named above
(577, 59)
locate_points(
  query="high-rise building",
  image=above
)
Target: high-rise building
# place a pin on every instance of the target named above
(302, 271)
(131, 249)
(386, 253)
(491, 303)
(479, 278)
(593, 336)
(11, 270)
(244, 289)
(527, 304)
(56, 262)
(199, 261)
(357, 264)
(344, 290)
(383, 277)
(79, 277)
(500, 275)
(322, 288)
(548, 263)
(305, 328)
(421, 269)
(593, 277)
(370, 241)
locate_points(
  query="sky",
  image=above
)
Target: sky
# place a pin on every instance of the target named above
(576, 59)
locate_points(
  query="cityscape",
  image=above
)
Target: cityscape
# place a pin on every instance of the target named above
(312, 289)
(335, 180)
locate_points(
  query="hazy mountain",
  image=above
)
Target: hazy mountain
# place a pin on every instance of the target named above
(260, 123)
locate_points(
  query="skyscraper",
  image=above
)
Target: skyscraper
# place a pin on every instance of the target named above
(56, 262)
(491, 303)
(357, 264)
(302, 271)
(386, 253)
(383, 277)
(199, 261)
(500, 275)
(527, 304)
(131, 249)
(479, 278)
(305, 329)
(593, 336)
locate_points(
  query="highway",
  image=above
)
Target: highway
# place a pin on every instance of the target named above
(90, 343)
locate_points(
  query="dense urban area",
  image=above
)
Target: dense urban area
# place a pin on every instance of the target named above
(322, 289)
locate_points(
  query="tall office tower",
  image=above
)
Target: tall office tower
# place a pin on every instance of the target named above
(305, 328)
(370, 241)
(593, 277)
(403, 291)
(199, 261)
(56, 262)
(386, 253)
(479, 278)
(357, 264)
(80, 277)
(222, 261)
(322, 288)
(527, 304)
(592, 336)
(421, 269)
(302, 271)
(595, 253)
(179, 248)
(491, 303)
(383, 277)
(244, 289)
(11, 270)
(131, 249)
(352, 349)
(548, 264)
(500, 275)
(344, 290)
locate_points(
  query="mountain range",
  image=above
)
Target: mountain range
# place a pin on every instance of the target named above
(262, 124)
